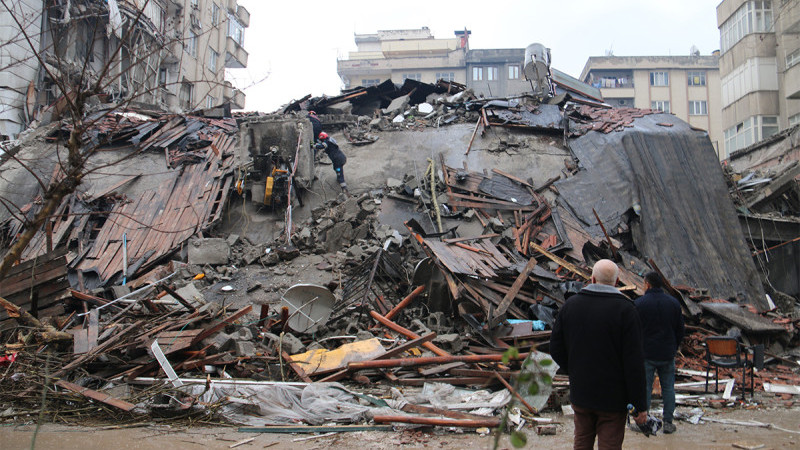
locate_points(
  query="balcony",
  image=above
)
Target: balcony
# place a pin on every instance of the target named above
(243, 15)
(235, 55)
(618, 92)
(233, 95)
(791, 82)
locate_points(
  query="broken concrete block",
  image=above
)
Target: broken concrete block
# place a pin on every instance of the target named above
(355, 252)
(120, 291)
(393, 183)
(270, 259)
(191, 294)
(244, 334)
(290, 344)
(220, 342)
(452, 341)
(375, 123)
(360, 232)
(398, 119)
(349, 209)
(546, 430)
(232, 239)
(338, 235)
(209, 251)
(245, 348)
(397, 105)
(287, 252)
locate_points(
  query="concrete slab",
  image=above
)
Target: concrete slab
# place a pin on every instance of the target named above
(742, 318)
(212, 251)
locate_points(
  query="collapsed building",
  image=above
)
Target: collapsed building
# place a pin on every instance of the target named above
(471, 221)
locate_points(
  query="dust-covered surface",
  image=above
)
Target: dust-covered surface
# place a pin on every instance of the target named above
(157, 437)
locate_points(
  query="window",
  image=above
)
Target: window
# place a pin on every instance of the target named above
(155, 12)
(659, 78)
(446, 76)
(754, 74)
(210, 101)
(370, 82)
(491, 73)
(794, 120)
(749, 131)
(477, 73)
(698, 108)
(235, 29)
(751, 17)
(191, 43)
(696, 78)
(162, 77)
(185, 95)
(212, 60)
(214, 14)
(660, 105)
(793, 58)
(412, 76)
(513, 72)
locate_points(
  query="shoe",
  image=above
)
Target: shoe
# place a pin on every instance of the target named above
(669, 428)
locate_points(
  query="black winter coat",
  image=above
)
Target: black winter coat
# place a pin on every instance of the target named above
(662, 324)
(597, 340)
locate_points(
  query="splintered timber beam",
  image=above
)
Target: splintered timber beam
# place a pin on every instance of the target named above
(406, 332)
(95, 395)
(512, 293)
(403, 303)
(561, 262)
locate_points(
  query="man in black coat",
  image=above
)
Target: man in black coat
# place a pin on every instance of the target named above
(662, 326)
(336, 156)
(597, 340)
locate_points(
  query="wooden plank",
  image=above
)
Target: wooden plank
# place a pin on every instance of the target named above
(315, 428)
(222, 324)
(561, 262)
(296, 367)
(95, 395)
(512, 293)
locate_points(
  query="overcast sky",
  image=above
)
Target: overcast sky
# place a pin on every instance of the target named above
(294, 45)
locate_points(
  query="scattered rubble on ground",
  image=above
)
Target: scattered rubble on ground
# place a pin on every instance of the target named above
(143, 310)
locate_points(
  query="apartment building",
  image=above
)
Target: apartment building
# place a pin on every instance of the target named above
(759, 69)
(497, 72)
(169, 55)
(18, 65)
(686, 86)
(400, 54)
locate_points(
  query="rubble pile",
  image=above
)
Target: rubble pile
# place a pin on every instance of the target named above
(428, 300)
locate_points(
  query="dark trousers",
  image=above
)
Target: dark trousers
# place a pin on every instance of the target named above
(666, 376)
(609, 427)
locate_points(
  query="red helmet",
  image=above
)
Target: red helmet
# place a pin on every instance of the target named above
(312, 113)
(323, 135)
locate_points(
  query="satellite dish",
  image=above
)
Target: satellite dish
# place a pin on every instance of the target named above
(309, 306)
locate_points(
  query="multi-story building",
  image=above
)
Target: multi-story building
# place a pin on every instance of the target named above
(759, 69)
(399, 54)
(171, 55)
(686, 86)
(18, 65)
(497, 72)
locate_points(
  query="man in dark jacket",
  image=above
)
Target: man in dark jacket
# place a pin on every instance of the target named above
(597, 340)
(336, 155)
(662, 326)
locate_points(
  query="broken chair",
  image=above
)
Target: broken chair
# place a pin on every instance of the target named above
(728, 352)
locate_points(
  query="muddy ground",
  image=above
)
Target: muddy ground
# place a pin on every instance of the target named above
(153, 436)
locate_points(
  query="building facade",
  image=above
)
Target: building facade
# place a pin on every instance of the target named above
(759, 69)
(170, 55)
(18, 65)
(686, 86)
(399, 54)
(497, 72)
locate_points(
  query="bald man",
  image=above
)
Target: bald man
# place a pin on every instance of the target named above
(597, 340)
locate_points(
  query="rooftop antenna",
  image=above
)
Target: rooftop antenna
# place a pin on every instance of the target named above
(537, 69)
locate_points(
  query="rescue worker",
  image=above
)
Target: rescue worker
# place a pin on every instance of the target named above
(316, 124)
(336, 156)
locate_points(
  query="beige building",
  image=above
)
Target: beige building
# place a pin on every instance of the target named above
(686, 86)
(401, 54)
(213, 40)
(759, 69)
